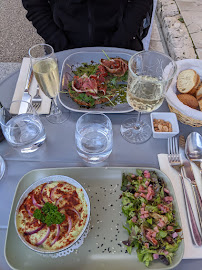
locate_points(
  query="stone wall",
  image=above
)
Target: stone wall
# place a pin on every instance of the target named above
(176, 35)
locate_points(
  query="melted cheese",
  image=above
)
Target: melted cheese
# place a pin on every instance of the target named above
(66, 197)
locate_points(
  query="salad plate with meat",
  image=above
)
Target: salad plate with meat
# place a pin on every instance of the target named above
(95, 81)
(153, 222)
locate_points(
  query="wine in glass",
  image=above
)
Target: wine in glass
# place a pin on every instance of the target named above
(150, 74)
(45, 69)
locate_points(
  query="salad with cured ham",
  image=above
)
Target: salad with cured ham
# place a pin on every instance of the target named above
(95, 83)
(152, 226)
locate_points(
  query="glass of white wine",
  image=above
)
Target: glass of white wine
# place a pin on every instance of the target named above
(45, 68)
(150, 74)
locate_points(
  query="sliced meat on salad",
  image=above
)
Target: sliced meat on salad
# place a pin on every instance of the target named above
(152, 226)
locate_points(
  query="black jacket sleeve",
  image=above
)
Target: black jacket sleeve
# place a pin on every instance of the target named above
(134, 12)
(40, 14)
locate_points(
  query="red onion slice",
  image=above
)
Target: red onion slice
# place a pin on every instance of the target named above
(28, 211)
(70, 225)
(35, 202)
(57, 235)
(58, 200)
(72, 209)
(34, 231)
(52, 193)
(43, 190)
(43, 239)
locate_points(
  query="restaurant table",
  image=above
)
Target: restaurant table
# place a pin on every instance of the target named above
(59, 150)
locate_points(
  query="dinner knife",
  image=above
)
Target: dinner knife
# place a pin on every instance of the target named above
(188, 172)
(26, 96)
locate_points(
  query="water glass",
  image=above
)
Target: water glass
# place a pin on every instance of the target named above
(24, 132)
(94, 137)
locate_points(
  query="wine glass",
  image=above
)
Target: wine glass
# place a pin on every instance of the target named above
(150, 74)
(45, 68)
(2, 167)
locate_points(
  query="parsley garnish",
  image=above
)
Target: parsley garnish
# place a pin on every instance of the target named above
(49, 214)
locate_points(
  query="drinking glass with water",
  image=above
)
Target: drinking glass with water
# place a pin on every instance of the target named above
(94, 137)
(24, 132)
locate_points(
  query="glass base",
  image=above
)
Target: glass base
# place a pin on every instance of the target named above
(94, 159)
(2, 167)
(58, 118)
(134, 134)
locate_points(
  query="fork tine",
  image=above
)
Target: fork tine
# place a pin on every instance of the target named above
(169, 150)
(175, 145)
(37, 106)
(169, 146)
(173, 149)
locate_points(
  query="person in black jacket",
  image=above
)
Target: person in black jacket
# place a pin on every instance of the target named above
(67, 24)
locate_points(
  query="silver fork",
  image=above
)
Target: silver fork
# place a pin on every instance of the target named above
(175, 163)
(36, 100)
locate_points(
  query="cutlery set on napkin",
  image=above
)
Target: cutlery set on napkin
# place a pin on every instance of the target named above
(27, 88)
(186, 179)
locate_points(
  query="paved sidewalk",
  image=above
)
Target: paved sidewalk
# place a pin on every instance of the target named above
(177, 30)
(192, 14)
(181, 23)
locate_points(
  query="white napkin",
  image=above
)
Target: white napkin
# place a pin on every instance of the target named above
(191, 251)
(20, 87)
(171, 96)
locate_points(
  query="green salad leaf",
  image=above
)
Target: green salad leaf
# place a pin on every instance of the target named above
(151, 219)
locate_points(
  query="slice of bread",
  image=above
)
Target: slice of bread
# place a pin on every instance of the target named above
(199, 90)
(187, 81)
(188, 100)
(199, 98)
(193, 91)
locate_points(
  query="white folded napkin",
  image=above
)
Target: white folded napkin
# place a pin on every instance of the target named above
(20, 87)
(171, 96)
(191, 251)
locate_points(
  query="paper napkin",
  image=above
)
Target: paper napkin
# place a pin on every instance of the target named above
(191, 251)
(20, 87)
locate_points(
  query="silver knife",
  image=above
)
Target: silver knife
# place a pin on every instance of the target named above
(26, 96)
(188, 172)
(195, 234)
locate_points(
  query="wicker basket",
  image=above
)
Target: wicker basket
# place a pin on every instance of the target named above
(185, 119)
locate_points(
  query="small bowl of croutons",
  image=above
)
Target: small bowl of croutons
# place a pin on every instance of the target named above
(164, 125)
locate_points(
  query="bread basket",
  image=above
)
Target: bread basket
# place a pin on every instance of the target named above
(185, 114)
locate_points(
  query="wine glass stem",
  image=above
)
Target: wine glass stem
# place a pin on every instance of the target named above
(137, 125)
(54, 107)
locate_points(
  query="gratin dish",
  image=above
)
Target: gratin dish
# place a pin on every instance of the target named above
(103, 248)
(49, 180)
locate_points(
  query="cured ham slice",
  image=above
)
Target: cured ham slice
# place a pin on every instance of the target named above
(90, 85)
(77, 84)
(116, 66)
